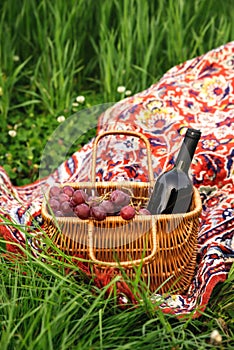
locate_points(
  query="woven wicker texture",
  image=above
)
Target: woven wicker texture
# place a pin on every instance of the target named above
(164, 247)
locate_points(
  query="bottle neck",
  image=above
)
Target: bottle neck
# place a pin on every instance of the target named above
(187, 150)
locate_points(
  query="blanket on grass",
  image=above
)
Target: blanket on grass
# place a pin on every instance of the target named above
(198, 93)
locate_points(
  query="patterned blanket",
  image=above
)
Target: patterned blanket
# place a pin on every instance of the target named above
(199, 94)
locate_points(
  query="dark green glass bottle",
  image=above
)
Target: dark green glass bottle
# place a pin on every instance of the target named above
(173, 189)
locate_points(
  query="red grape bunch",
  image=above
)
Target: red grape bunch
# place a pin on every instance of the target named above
(67, 201)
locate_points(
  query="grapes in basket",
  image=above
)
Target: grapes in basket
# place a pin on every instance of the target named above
(69, 202)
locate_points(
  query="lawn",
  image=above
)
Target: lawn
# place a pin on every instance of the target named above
(59, 59)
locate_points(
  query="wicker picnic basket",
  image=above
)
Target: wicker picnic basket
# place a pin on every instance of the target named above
(163, 247)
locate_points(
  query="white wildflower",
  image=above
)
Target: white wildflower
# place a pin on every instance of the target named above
(215, 337)
(60, 119)
(128, 92)
(75, 104)
(16, 58)
(12, 133)
(80, 99)
(121, 89)
(124, 299)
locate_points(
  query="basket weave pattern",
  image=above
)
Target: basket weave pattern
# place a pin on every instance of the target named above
(162, 246)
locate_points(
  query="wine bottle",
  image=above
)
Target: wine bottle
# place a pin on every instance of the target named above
(173, 189)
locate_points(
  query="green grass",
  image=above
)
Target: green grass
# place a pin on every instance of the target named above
(50, 52)
(42, 307)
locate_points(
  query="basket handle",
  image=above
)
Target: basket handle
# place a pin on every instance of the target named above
(146, 260)
(123, 132)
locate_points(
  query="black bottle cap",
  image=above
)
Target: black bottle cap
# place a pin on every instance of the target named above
(193, 133)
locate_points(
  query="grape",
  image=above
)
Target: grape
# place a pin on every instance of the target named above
(54, 191)
(68, 190)
(127, 212)
(63, 198)
(82, 211)
(54, 204)
(66, 209)
(72, 203)
(144, 211)
(98, 213)
(79, 196)
(120, 198)
(58, 213)
(108, 206)
(93, 201)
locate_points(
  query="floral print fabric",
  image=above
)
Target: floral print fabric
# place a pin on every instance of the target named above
(198, 94)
